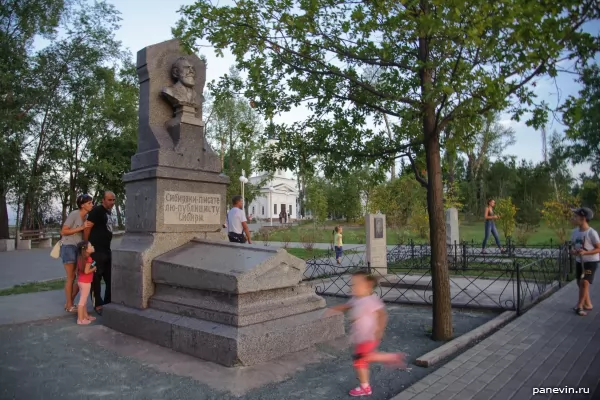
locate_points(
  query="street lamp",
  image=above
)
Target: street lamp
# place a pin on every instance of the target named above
(243, 181)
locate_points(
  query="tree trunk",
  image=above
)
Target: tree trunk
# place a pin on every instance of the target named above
(4, 231)
(442, 308)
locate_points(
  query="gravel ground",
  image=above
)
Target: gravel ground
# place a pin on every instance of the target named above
(48, 361)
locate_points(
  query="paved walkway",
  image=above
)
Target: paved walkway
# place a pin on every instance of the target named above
(548, 347)
(28, 307)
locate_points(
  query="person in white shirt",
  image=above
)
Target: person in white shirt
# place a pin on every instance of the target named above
(236, 222)
(586, 247)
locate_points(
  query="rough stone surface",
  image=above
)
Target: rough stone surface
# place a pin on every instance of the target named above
(240, 310)
(376, 242)
(225, 344)
(228, 267)
(548, 347)
(7, 245)
(24, 244)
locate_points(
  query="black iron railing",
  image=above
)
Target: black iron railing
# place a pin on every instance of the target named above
(509, 280)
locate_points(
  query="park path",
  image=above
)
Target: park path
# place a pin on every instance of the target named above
(547, 347)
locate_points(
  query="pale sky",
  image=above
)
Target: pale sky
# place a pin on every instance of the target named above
(146, 22)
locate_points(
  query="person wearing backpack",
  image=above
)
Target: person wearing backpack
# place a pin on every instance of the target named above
(586, 248)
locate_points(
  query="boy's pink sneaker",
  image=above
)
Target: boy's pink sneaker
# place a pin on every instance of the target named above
(361, 391)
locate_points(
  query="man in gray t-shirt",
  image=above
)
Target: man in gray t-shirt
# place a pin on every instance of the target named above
(586, 248)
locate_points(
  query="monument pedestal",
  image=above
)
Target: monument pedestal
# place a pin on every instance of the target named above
(229, 303)
(7, 245)
(173, 283)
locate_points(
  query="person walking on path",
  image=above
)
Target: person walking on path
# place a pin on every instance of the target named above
(586, 248)
(368, 316)
(71, 234)
(236, 222)
(338, 244)
(100, 235)
(490, 225)
(85, 276)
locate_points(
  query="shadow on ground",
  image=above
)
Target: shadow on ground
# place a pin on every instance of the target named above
(57, 359)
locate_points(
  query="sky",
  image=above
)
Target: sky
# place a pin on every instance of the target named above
(147, 22)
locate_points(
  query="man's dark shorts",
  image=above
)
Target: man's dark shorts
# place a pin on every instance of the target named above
(589, 268)
(237, 237)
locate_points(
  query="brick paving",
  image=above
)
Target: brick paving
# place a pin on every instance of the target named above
(547, 347)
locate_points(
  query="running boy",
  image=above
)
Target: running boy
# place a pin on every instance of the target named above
(368, 316)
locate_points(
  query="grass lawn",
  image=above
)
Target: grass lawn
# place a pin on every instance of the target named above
(34, 287)
(305, 254)
(355, 234)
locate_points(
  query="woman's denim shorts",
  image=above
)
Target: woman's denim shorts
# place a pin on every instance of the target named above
(68, 253)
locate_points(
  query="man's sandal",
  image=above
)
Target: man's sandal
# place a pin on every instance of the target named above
(584, 308)
(580, 312)
(73, 309)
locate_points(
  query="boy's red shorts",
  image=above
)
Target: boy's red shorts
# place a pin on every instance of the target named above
(361, 350)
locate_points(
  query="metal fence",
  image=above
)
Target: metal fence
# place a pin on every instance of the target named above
(510, 280)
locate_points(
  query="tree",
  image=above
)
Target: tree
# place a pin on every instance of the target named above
(66, 75)
(316, 199)
(442, 63)
(582, 117)
(558, 215)
(21, 21)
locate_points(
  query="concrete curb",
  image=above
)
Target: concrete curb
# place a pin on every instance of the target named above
(453, 346)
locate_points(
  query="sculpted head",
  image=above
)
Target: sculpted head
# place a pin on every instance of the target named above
(184, 72)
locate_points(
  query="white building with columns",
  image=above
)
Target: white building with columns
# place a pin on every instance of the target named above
(280, 193)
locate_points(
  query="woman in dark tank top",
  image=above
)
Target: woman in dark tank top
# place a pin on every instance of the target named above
(490, 225)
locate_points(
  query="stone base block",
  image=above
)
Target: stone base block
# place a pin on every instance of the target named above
(24, 245)
(7, 245)
(224, 344)
(45, 243)
(240, 310)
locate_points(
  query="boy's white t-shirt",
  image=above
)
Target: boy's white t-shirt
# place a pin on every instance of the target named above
(586, 240)
(235, 217)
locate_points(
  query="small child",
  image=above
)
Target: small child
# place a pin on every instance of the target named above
(85, 275)
(368, 316)
(337, 244)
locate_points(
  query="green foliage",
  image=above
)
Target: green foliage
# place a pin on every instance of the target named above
(558, 215)
(398, 200)
(419, 221)
(316, 199)
(582, 117)
(507, 212)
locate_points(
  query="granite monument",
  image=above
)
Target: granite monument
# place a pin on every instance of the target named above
(176, 281)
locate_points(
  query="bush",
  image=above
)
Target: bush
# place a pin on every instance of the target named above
(286, 238)
(308, 239)
(507, 212)
(558, 214)
(522, 234)
(419, 222)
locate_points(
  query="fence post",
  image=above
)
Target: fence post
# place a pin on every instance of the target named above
(464, 256)
(369, 268)
(518, 287)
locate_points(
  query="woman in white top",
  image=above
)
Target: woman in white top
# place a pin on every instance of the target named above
(71, 234)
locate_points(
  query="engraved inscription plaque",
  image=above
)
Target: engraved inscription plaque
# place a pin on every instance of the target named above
(184, 208)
